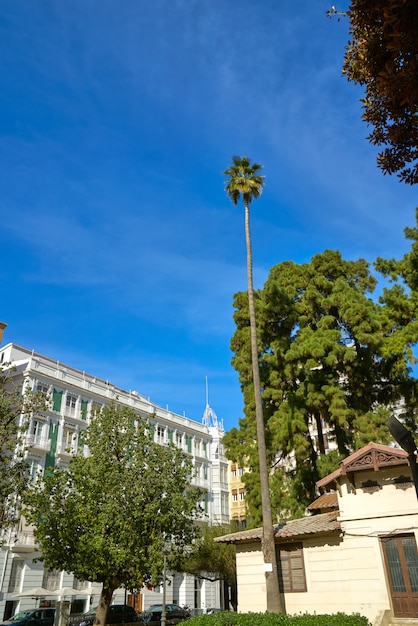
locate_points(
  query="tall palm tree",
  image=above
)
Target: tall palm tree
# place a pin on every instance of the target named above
(245, 180)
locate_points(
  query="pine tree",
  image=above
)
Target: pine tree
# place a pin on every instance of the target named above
(327, 358)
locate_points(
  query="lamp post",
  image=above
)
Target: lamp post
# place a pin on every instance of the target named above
(405, 439)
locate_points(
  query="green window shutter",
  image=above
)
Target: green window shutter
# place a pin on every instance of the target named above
(205, 448)
(206, 502)
(56, 400)
(170, 436)
(80, 439)
(84, 409)
(189, 443)
(205, 472)
(151, 428)
(53, 436)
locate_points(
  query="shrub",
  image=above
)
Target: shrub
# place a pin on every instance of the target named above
(228, 618)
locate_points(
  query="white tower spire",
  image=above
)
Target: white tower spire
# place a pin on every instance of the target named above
(210, 418)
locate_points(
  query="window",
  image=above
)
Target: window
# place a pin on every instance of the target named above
(241, 495)
(160, 434)
(197, 446)
(234, 496)
(34, 469)
(68, 437)
(291, 568)
(179, 440)
(204, 502)
(198, 470)
(36, 430)
(95, 408)
(233, 471)
(240, 471)
(51, 580)
(15, 575)
(70, 403)
(189, 443)
(205, 449)
(43, 389)
(224, 504)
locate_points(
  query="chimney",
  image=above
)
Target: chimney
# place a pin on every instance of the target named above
(2, 327)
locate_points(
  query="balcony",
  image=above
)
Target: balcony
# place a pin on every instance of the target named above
(23, 541)
(198, 481)
(73, 413)
(65, 449)
(37, 443)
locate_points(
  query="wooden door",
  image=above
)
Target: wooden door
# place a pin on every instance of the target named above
(135, 600)
(401, 560)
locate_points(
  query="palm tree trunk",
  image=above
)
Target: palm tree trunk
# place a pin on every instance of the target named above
(274, 603)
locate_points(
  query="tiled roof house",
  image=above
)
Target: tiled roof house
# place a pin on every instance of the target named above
(354, 552)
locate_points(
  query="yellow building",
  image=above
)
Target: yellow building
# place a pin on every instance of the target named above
(237, 504)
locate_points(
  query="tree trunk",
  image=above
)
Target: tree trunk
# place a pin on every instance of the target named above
(274, 603)
(321, 442)
(234, 596)
(104, 603)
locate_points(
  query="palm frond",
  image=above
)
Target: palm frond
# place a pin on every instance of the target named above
(243, 179)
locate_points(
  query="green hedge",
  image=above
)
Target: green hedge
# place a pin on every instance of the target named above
(228, 618)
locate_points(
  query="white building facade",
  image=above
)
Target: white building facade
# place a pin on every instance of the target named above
(53, 435)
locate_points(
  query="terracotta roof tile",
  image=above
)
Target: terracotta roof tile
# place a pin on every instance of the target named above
(312, 525)
(326, 501)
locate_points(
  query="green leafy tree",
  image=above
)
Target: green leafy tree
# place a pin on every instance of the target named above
(107, 517)
(329, 354)
(213, 561)
(400, 299)
(16, 405)
(382, 56)
(244, 180)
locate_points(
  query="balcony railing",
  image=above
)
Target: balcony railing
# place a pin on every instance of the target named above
(198, 481)
(23, 541)
(66, 449)
(40, 443)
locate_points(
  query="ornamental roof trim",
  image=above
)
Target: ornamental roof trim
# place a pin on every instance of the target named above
(374, 457)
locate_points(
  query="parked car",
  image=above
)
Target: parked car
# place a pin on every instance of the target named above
(32, 617)
(174, 615)
(116, 614)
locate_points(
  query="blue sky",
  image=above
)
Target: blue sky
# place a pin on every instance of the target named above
(120, 252)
